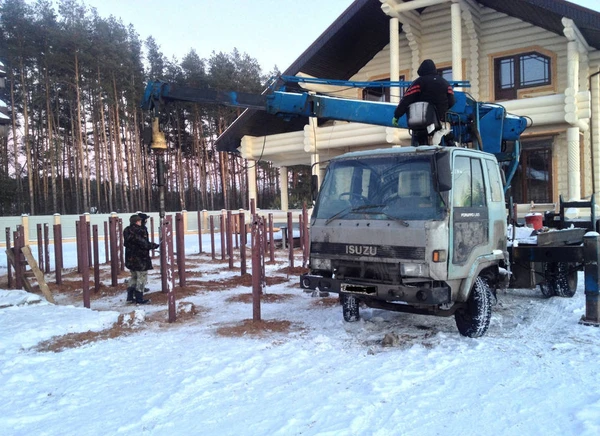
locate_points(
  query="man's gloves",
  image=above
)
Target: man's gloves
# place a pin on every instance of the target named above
(395, 122)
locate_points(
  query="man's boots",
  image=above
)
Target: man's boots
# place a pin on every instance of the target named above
(130, 297)
(139, 298)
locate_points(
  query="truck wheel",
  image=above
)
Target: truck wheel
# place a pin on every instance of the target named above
(563, 282)
(350, 308)
(474, 320)
(547, 290)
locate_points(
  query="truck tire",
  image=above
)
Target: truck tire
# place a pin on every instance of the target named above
(350, 308)
(474, 320)
(562, 281)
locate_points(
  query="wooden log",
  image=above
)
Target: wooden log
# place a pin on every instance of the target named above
(39, 275)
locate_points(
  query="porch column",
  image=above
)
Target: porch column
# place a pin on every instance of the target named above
(573, 158)
(283, 183)
(394, 59)
(457, 73)
(574, 175)
(251, 182)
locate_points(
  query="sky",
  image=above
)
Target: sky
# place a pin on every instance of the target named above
(535, 372)
(275, 32)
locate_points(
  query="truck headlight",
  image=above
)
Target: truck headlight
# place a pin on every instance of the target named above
(414, 269)
(322, 264)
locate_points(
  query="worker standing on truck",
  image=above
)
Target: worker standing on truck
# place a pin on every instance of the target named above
(137, 258)
(429, 87)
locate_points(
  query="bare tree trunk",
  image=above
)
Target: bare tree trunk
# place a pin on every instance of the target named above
(81, 157)
(18, 174)
(120, 154)
(26, 141)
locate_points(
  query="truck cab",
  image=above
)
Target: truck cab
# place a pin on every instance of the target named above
(411, 229)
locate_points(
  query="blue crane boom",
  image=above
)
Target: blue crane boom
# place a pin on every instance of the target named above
(485, 125)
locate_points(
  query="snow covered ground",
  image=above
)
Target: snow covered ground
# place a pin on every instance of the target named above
(534, 373)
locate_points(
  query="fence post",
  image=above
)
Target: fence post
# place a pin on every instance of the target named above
(243, 237)
(199, 213)
(106, 249)
(58, 253)
(40, 247)
(47, 247)
(25, 225)
(230, 238)
(85, 266)
(8, 268)
(180, 241)
(290, 232)
(96, 258)
(212, 237)
(256, 268)
(222, 234)
(114, 254)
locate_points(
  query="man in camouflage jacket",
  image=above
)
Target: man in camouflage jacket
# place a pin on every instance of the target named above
(137, 258)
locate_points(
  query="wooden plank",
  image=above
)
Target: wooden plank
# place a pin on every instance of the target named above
(39, 275)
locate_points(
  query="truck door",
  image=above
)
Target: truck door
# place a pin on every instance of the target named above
(469, 233)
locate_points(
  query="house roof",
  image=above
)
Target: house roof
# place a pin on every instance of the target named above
(363, 30)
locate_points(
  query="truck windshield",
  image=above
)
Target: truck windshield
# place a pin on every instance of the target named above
(397, 187)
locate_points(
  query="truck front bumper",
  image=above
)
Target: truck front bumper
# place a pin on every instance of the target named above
(418, 295)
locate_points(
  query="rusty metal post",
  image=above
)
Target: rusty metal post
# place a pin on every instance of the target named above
(163, 250)
(301, 239)
(180, 241)
(88, 239)
(230, 238)
(96, 251)
(40, 247)
(106, 249)
(85, 267)
(212, 237)
(252, 207)
(78, 245)
(222, 229)
(591, 249)
(256, 269)
(58, 253)
(263, 247)
(19, 239)
(170, 272)
(46, 248)
(8, 268)
(114, 250)
(120, 243)
(19, 267)
(199, 232)
(271, 240)
(236, 229)
(171, 252)
(290, 238)
(243, 237)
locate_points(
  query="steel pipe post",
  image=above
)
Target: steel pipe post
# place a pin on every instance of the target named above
(85, 266)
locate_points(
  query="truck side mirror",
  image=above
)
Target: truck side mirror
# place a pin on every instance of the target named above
(444, 173)
(314, 186)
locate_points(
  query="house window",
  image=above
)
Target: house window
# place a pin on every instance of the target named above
(446, 73)
(383, 93)
(520, 71)
(533, 179)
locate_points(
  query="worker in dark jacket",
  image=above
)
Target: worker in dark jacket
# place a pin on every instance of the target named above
(430, 87)
(137, 258)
